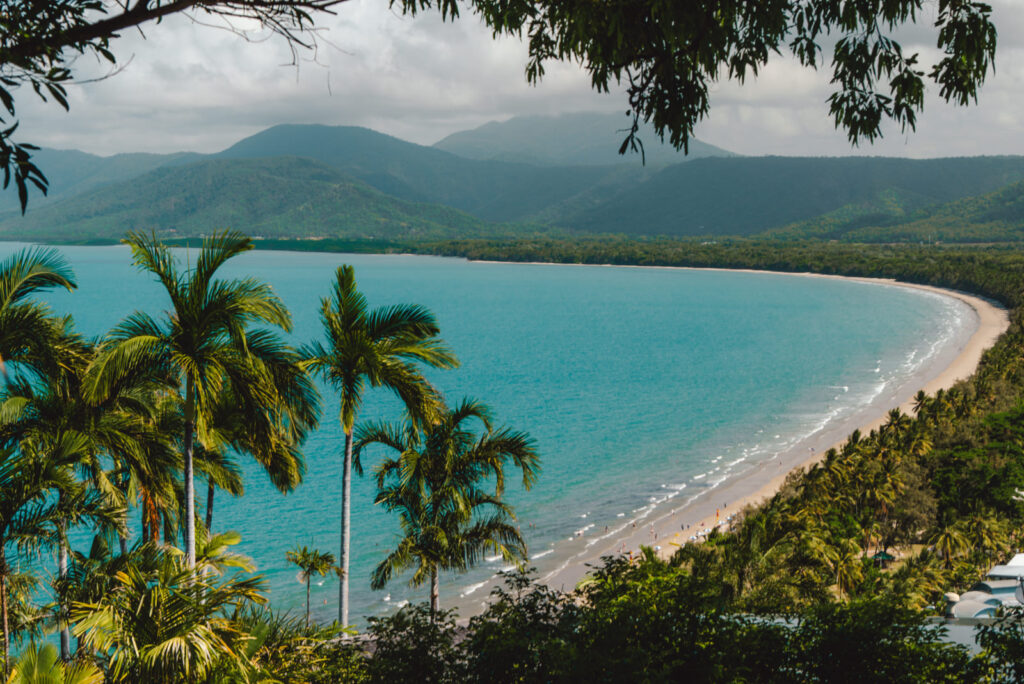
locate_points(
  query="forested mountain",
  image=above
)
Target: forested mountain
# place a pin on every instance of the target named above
(994, 217)
(749, 195)
(280, 197)
(71, 172)
(491, 190)
(354, 183)
(581, 138)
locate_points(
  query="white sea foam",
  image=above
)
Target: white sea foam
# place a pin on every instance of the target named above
(473, 587)
(542, 554)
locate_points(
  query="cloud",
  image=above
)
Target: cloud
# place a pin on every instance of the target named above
(192, 87)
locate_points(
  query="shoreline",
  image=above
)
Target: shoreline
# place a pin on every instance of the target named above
(666, 530)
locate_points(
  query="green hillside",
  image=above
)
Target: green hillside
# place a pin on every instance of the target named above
(993, 217)
(747, 196)
(491, 190)
(352, 183)
(584, 139)
(71, 172)
(284, 197)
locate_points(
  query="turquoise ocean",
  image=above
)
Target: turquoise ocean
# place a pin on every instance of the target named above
(641, 387)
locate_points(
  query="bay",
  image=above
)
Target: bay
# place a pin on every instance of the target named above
(634, 382)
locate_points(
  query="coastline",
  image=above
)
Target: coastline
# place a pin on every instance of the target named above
(666, 530)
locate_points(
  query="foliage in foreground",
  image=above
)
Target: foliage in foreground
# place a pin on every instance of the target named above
(650, 622)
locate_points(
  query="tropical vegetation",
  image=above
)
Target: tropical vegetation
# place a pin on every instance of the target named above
(311, 562)
(446, 485)
(383, 347)
(94, 438)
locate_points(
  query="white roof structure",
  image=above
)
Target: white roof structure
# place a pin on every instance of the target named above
(970, 609)
(1008, 571)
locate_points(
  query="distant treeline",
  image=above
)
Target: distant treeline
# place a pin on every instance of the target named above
(996, 272)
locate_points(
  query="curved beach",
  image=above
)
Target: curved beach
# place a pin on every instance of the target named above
(668, 526)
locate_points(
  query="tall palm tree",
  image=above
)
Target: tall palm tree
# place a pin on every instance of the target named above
(310, 562)
(379, 348)
(437, 485)
(201, 344)
(47, 416)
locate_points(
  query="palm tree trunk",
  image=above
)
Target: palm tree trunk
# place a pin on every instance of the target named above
(209, 506)
(434, 594)
(307, 601)
(190, 493)
(346, 491)
(62, 572)
(3, 606)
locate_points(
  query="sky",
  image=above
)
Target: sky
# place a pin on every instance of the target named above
(182, 85)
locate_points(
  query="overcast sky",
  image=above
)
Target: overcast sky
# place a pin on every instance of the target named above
(190, 87)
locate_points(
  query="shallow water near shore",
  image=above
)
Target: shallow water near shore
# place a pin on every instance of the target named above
(642, 388)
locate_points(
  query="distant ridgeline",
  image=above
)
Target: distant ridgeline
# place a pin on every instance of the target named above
(527, 177)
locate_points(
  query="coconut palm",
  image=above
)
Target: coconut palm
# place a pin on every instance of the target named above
(310, 562)
(49, 417)
(380, 348)
(436, 485)
(201, 344)
(848, 566)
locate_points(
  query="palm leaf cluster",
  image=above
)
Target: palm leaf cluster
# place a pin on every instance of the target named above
(168, 620)
(205, 347)
(446, 486)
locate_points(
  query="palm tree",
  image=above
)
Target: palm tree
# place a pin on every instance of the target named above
(436, 485)
(310, 562)
(26, 330)
(166, 620)
(201, 344)
(848, 566)
(49, 417)
(42, 666)
(379, 348)
(28, 513)
(271, 437)
(950, 542)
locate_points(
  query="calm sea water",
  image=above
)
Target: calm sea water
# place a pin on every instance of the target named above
(635, 383)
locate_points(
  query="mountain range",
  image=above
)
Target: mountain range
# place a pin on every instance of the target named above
(531, 175)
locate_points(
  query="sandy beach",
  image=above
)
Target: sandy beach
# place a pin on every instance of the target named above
(669, 527)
